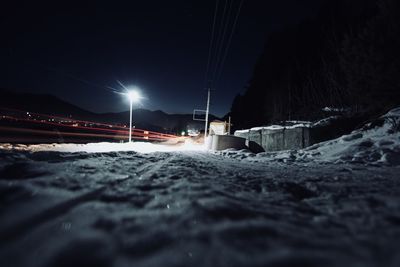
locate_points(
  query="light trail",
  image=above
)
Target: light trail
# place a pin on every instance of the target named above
(69, 125)
(69, 134)
(63, 120)
(136, 133)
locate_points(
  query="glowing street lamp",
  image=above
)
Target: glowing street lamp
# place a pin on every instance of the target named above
(133, 96)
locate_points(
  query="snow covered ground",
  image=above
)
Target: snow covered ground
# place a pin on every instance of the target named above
(142, 147)
(376, 144)
(334, 204)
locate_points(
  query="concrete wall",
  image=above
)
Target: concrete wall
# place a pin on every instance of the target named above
(278, 139)
(244, 134)
(222, 142)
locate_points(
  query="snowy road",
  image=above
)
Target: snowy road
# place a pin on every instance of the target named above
(194, 209)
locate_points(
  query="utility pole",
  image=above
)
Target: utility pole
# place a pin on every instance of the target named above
(207, 112)
(229, 125)
(130, 120)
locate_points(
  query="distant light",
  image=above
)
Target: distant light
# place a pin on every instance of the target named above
(193, 132)
(133, 96)
(183, 133)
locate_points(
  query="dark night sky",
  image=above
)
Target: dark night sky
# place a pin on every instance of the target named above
(75, 51)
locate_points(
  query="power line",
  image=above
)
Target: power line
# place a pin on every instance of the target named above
(217, 53)
(230, 40)
(224, 27)
(222, 35)
(219, 40)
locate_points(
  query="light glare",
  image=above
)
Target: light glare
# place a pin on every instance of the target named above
(133, 96)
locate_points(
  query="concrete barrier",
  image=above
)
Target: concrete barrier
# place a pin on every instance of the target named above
(222, 142)
(263, 139)
(278, 138)
(243, 133)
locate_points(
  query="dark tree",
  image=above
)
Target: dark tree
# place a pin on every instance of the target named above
(370, 59)
(346, 57)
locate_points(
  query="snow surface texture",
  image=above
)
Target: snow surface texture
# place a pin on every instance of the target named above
(197, 208)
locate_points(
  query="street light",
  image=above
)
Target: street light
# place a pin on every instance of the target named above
(133, 96)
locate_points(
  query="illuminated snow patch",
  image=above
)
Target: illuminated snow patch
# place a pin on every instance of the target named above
(141, 147)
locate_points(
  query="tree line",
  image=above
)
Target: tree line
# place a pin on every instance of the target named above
(347, 58)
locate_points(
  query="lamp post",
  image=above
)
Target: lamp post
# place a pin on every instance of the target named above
(133, 97)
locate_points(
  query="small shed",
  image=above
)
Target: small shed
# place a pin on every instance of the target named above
(219, 128)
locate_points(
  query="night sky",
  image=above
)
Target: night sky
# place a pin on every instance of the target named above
(77, 51)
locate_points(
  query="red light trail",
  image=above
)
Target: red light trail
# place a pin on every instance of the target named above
(95, 129)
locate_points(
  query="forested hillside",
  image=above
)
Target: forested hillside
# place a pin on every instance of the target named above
(347, 58)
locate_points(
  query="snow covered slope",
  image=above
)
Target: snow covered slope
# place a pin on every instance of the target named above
(377, 143)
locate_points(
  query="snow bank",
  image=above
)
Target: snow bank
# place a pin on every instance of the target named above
(141, 147)
(376, 143)
(325, 121)
(292, 125)
(242, 131)
(333, 109)
(281, 127)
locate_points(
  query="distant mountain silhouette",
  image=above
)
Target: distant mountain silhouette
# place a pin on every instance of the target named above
(42, 103)
(143, 118)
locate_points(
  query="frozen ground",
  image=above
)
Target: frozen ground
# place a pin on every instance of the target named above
(330, 205)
